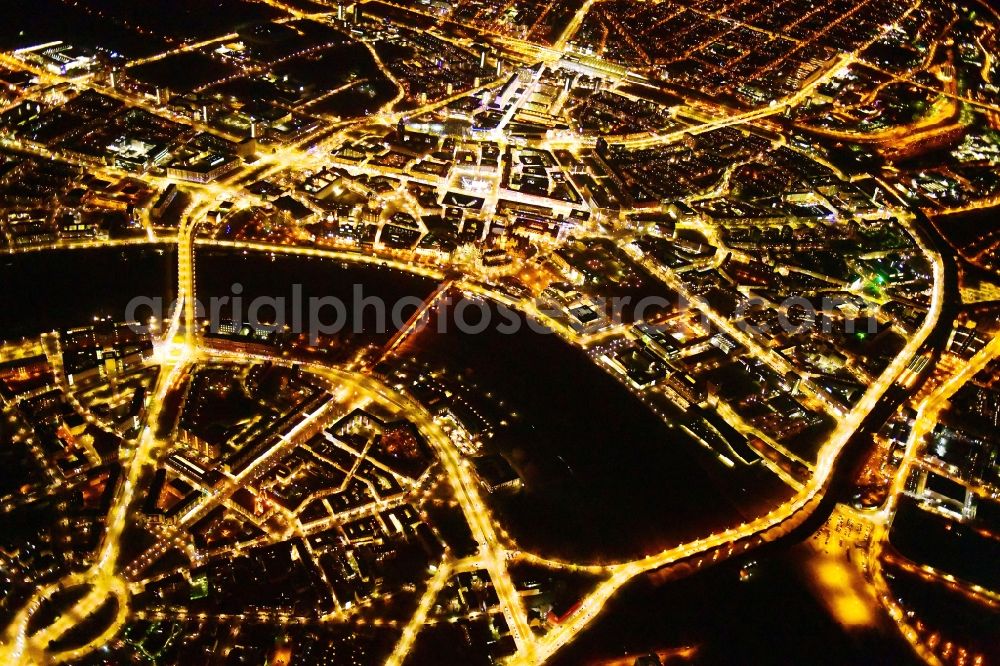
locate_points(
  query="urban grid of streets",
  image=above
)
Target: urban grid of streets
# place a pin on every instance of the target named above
(180, 346)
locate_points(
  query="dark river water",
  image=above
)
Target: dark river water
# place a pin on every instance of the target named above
(50, 289)
(771, 619)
